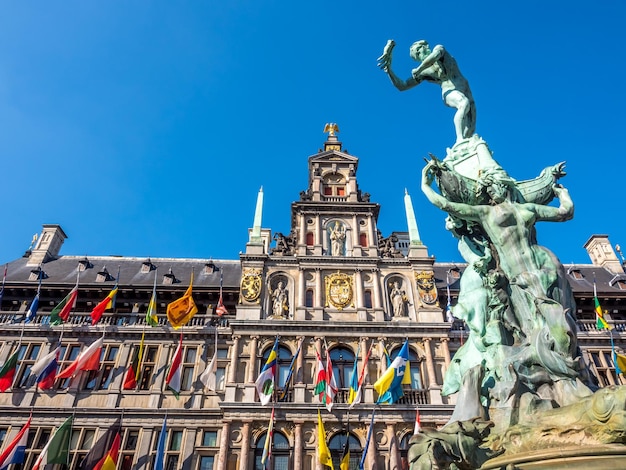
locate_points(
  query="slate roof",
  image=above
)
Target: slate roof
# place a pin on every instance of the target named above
(63, 271)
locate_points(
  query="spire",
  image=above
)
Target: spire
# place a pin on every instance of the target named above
(416, 248)
(414, 235)
(255, 236)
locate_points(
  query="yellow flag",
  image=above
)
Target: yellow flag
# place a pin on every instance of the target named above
(180, 311)
(323, 451)
(621, 362)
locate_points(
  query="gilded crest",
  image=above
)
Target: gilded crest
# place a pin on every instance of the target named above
(426, 287)
(339, 292)
(251, 284)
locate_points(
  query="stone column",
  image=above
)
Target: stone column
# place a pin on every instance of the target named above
(318, 230)
(355, 237)
(383, 359)
(301, 287)
(394, 454)
(319, 303)
(302, 229)
(234, 358)
(297, 445)
(446, 351)
(371, 450)
(224, 446)
(358, 280)
(300, 361)
(376, 289)
(245, 446)
(254, 341)
(434, 388)
(373, 240)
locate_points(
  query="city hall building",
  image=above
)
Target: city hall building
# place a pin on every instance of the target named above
(334, 285)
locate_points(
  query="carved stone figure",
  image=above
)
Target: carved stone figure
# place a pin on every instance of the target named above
(284, 245)
(337, 239)
(437, 66)
(280, 301)
(398, 300)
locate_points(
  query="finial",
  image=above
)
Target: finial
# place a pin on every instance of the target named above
(332, 128)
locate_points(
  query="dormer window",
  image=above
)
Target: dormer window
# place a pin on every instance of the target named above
(169, 278)
(37, 274)
(454, 274)
(618, 282)
(103, 275)
(210, 268)
(84, 264)
(147, 266)
(576, 273)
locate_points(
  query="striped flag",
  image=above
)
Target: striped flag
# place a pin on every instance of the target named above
(359, 390)
(15, 452)
(45, 369)
(134, 369)
(62, 311)
(57, 449)
(292, 369)
(418, 424)
(601, 323)
(220, 309)
(89, 359)
(267, 448)
(174, 376)
(106, 304)
(266, 381)
(151, 314)
(7, 372)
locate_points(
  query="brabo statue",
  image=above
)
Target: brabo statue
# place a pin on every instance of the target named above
(437, 66)
(520, 379)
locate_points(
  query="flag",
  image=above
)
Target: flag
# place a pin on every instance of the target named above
(331, 383)
(220, 309)
(449, 315)
(109, 461)
(61, 312)
(367, 442)
(57, 449)
(45, 369)
(266, 380)
(267, 448)
(354, 377)
(134, 369)
(601, 323)
(89, 359)
(389, 385)
(386, 354)
(208, 377)
(160, 452)
(16, 450)
(345, 455)
(359, 390)
(174, 376)
(96, 457)
(151, 314)
(292, 369)
(180, 311)
(34, 305)
(323, 452)
(106, 304)
(620, 363)
(320, 380)
(418, 424)
(7, 372)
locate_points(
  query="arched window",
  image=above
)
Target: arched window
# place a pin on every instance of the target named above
(309, 239)
(280, 453)
(363, 239)
(343, 362)
(416, 370)
(404, 451)
(308, 300)
(283, 362)
(337, 444)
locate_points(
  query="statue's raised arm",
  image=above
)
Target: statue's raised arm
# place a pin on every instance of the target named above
(437, 66)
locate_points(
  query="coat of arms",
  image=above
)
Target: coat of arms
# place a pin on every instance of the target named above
(339, 291)
(251, 284)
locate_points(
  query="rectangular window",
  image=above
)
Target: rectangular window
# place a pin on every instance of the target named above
(209, 439)
(37, 439)
(188, 367)
(220, 378)
(81, 442)
(341, 191)
(67, 354)
(148, 366)
(101, 379)
(128, 448)
(26, 357)
(206, 462)
(601, 364)
(222, 353)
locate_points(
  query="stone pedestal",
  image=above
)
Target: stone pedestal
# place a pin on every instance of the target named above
(602, 457)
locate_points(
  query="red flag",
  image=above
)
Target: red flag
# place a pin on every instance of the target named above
(7, 372)
(109, 461)
(89, 359)
(106, 304)
(220, 309)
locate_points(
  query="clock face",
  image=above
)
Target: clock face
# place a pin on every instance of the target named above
(251, 287)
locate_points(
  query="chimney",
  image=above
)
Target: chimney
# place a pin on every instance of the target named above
(602, 254)
(48, 246)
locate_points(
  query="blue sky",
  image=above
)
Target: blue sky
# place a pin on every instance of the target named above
(147, 128)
